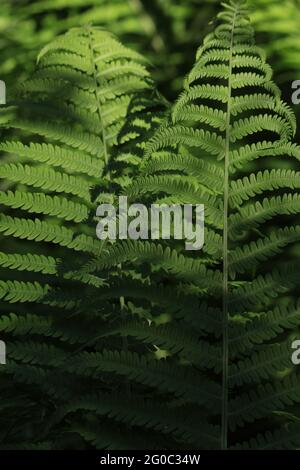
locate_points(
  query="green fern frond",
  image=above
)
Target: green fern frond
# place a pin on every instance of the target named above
(264, 327)
(263, 289)
(201, 337)
(249, 257)
(185, 268)
(208, 174)
(29, 262)
(55, 156)
(229, 116)
(182, 342)
(262, 149)
(248, 187)
(253, 215)
(263, 365)
(46, 178)
(260, 402)
(19, 291)
(40, 203)
(22, 325)
(284, 438)
(205, 140)
(142, 414)
(161, 375)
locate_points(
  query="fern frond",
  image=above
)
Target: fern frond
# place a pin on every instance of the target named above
(89, 125)
(180, 188)
(22, 325)
(29, 262)
(185, 268)
(19, 291)
(263, 327)
(254, 214)
(248, 187)
(168, 337)
(264, 288)
(208, 174)
(205, 140)
(262, 365)
(254, 124)
(248, 257)
(46, 178)
(42, 231)
(161, 375)
(55, 156)
(262, 401)
(40, 203)
(284, 438)
(263, 149)
(145, 415)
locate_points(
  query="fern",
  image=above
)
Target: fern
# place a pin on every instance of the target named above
(154, 332)
(220, 120)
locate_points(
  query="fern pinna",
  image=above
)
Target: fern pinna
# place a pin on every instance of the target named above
(253, 300)
(136, 344)
(229, 146)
